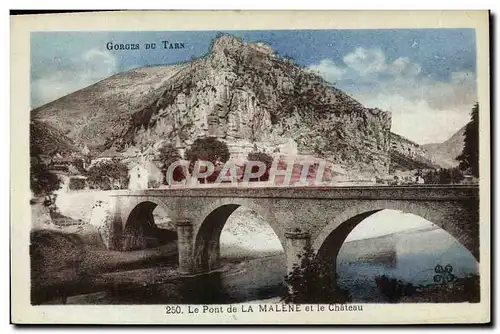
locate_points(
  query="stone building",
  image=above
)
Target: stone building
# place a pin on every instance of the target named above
(145, 174)
(107, 155)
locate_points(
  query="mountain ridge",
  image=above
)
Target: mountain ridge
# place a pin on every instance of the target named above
(240, 92)
(445, 153)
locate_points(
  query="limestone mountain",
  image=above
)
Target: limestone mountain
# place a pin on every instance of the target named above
(241, 92)
(445, 153)
(406, 155)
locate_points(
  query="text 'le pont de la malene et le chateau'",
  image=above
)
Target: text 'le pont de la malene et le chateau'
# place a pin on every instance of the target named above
(277, 308)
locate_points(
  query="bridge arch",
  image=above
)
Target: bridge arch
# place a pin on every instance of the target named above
(148, 204)
(139, 229)
(207, 237)
(444, 215)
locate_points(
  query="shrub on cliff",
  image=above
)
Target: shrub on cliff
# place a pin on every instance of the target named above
(313, 281)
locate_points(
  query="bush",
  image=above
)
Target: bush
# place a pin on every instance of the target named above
(262, 157)
(78, 163)
(42, 181)
(105, 174)
(153, 184)
(77, 184)
(472, 289)
(313, 281)
(444, 176)
(394, 289)
(207, 149)
(169, 155)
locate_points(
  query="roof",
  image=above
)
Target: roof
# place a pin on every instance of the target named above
(150, 151)
(62, 159)
(131, 152)
(81, 177)
(109, 153)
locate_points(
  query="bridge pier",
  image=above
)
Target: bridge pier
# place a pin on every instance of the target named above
(296, 244)
(185, 245)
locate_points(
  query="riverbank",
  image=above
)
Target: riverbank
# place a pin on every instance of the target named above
(133, 278)
(83, 274)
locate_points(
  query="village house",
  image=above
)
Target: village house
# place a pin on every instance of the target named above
(144, 174)
(107, 155)
(419, 179)
(85, 151)
(60, 162)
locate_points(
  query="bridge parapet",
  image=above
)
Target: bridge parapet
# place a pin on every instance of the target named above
(424, 192)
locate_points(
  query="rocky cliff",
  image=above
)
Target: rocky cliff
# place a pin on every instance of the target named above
(241, 92)
(407, 155)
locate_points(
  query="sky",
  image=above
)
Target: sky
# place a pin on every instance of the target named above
(426, 78)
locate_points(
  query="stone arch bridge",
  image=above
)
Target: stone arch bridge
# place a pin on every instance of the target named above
(321, 217)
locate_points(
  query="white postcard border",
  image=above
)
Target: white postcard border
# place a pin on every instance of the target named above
(21, 26)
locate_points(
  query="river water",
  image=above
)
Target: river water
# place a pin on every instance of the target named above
(410, 256)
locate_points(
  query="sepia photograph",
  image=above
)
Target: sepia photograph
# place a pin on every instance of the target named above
(295, 170)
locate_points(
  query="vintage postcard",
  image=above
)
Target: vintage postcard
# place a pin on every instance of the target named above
(250, 168)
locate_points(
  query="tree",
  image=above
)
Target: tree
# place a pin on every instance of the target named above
(207, 149)
(42, 181)
(313, 281)
(169, 155)
(262, 157)
(105, 174)
(456, 175)
(430, 177)
(469, 158)
(444, 176)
